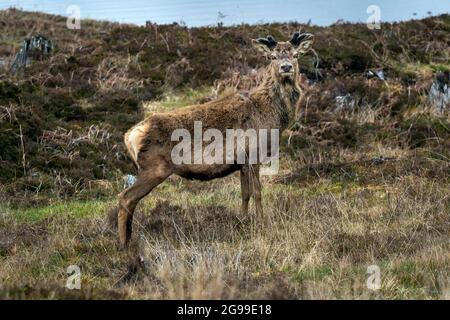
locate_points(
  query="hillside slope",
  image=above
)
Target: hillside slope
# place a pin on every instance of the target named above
(364, 175)
(54, 112)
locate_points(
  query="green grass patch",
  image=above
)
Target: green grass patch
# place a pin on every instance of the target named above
(187, 97)
(72, 209)
(313, 273)
(408, 275)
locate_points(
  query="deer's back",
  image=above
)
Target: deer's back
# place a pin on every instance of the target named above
(152, 136)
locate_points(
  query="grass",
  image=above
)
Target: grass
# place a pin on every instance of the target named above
(71, 209)
(173, 100)
(361, 187)
(330, 213)
(316, 241)
(187, 97)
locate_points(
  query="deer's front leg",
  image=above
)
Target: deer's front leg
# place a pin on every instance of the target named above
(255, 187)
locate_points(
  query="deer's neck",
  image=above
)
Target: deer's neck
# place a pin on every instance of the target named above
(280, 97)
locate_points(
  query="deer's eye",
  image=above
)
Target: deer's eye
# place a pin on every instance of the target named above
(273, 56)
(295, 55)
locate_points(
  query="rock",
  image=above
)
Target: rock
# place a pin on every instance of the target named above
(346, 102)
(376, 74)
(439, 94)
(129, 180)
(34, 48)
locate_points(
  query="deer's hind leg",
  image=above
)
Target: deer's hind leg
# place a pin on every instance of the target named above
(245, 189)
(129, 198)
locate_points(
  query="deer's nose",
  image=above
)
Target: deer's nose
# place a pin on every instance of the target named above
(286, 67)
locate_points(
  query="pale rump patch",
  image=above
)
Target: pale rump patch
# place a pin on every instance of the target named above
(134, 139)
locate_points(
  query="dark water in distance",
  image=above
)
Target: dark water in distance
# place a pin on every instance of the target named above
(229, 12)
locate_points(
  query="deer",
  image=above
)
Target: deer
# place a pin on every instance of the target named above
(271, 105)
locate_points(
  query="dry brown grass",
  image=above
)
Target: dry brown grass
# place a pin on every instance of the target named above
(335, 208)
(317, 239)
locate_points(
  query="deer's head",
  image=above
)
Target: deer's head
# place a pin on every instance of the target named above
(284, 55)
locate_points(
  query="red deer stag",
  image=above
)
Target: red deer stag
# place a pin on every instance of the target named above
(269, 106)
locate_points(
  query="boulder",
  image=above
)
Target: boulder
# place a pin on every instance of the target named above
(439, 94)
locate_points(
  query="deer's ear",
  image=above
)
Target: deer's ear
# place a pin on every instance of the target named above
(264, 45)
(302, 42)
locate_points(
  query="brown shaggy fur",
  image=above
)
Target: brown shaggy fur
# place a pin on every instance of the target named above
(270, 106)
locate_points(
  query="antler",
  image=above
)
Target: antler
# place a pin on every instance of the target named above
(269, 42)
(298, 38)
